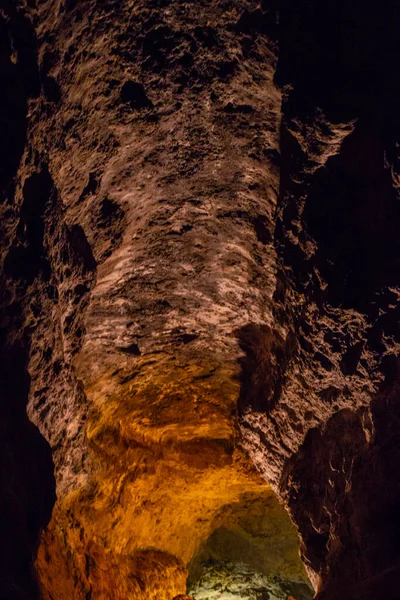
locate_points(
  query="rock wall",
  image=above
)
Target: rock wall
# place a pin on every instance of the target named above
(26, 473)
(327, 435)
(199, 263)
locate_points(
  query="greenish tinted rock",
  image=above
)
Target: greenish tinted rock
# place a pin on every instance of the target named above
(252, 554)
(230, 581)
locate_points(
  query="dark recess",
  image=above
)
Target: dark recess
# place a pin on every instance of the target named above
(338, 63)
(27, 485)
(19, 81)
(134, 94)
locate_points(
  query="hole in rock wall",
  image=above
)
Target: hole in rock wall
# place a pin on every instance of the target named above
(252, 554)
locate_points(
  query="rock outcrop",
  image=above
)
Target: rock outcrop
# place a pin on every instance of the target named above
(199, 300)
(326, 434)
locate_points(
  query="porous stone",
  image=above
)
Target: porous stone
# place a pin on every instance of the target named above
(199, 267)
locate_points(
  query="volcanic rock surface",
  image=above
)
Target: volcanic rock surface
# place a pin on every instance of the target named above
(200, 298)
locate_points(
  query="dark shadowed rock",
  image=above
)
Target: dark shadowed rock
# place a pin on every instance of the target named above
(200, 297)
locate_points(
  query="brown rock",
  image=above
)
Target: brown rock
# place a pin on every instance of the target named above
(199, 269)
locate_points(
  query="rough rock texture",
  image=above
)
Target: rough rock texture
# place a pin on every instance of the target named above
(26, 471)
(149, 155)
(199, 215)
(162, 144)
(252, 554)
(326, 432)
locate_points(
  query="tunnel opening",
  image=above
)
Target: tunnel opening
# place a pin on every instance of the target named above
(252, 553)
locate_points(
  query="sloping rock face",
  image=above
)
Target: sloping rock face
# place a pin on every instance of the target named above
(162, 144)
(326, 431)
(26, 474)
(199, 259)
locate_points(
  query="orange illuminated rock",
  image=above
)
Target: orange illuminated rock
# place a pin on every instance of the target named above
(199, 297)
(168, 166)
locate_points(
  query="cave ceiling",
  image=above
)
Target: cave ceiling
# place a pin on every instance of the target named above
(199, 300)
